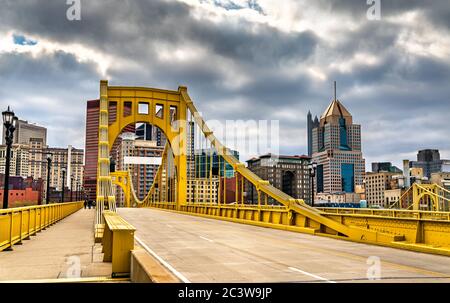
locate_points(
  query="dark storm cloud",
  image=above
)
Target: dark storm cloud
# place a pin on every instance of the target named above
(49, 90)
(396, 91)
(43, 71)
(269, 46)
(129, 28)
(358, 8)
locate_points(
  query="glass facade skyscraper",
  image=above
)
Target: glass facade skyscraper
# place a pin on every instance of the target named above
(208, 162)
(336, 148)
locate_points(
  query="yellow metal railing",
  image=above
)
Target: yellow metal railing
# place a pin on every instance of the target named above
(393, 213)
(17, 224)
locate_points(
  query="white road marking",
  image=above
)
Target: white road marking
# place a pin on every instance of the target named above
(167, 265)
(209, 240)
(311, 275)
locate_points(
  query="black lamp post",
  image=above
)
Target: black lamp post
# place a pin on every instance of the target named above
(49, 166)
(63, 184)
(10, 123)
(71, 188)
(78, 191)
(312, 167)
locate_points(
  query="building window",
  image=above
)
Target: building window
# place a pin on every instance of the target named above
(143, 108)
(319, 174)
(173, 113)
(159, 111)
(348, 177)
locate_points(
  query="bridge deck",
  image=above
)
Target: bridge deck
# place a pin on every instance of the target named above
(206, 250)
(54, 252)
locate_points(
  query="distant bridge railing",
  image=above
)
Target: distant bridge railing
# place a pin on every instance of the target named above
(17, 224)
(394, 213)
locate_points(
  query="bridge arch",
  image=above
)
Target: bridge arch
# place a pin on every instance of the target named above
(122, 106)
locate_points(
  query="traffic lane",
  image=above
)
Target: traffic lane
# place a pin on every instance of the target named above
(208, 250)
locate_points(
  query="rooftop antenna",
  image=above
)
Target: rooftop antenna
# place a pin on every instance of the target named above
(334, 90)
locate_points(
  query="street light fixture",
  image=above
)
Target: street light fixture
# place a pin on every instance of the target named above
(8, 117)
(10, 123)
(71, 188)
(63, 184)
(312, 167)
(78, 190)
(49, 166)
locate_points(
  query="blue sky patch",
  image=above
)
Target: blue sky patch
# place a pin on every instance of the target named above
(231, 5)
(22, 40)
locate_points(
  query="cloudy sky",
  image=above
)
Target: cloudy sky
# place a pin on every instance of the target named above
(242, 59)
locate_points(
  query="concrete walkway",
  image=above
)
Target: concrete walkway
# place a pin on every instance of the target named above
(64, 250)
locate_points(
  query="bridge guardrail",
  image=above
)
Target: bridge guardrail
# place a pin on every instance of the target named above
(394, 213)
(17, 224)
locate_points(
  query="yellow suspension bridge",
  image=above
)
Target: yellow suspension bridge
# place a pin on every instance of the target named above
(173, 189)
(187, 219)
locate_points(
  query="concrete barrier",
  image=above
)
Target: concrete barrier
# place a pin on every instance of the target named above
(146, 269)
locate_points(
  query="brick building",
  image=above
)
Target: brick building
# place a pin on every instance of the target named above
(289, 174)
(91, 148)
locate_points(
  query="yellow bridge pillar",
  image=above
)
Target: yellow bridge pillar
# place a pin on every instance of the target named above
(122, 179)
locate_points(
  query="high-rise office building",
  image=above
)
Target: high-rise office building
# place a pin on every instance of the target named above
(124, 150)
(336, 149)
(309, 127)
(71, 159)
(442, 179)
(376, 185)
(144, 131)
(32, 140)
(207, 161)
(150, 132)
(91, 149)
(385, 167)
(430, 161)
(20, 156)
(311, 124)
(26, 131)
(37, 158)
(289, 174)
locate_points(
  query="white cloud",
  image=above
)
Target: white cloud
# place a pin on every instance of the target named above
(44, 46)
(419, 37)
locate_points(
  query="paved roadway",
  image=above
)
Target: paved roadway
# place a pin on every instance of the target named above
(208, 250)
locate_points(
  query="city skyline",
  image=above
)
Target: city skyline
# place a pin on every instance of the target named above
(368, 165)
(391, 72)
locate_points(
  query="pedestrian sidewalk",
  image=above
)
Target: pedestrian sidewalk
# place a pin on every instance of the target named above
(64, 250)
